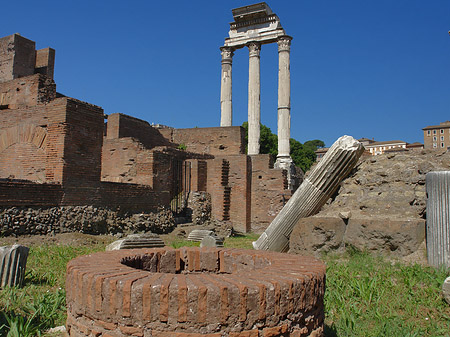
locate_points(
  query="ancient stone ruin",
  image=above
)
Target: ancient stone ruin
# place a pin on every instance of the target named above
(191, 292)
(254, 26)
(62, 168)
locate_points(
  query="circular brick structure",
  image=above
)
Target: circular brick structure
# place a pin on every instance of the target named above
(192, 292)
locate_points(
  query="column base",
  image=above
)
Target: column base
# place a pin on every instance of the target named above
(286, 163)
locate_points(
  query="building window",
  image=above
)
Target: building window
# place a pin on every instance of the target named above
(434, 145)
(442, 144)
(442, 138)
(429, 132)
(434, 138)
(434, 132)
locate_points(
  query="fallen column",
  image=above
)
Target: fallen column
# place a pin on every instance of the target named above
(438, 222)
(312, 194)
(13, 261)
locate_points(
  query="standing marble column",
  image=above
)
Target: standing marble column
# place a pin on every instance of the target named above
(284, 99)
(226, 116)
(254, 99)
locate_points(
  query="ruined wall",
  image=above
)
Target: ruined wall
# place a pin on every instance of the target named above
(229, 186)
(120, 126)
(218, 141)
(56, 142)
(269, 192)
(82, 143)
(17, 57)
(26, 92)
(114, 195)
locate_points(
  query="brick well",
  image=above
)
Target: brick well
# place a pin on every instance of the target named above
(194, 291)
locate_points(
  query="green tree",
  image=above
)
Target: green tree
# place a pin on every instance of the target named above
(314, 144)
(303, 155)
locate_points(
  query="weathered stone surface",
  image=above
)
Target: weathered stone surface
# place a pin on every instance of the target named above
(446, 289)
(314, 235)
(438, 218)
(13, 261)
(399, 237)
(147, 240)
(315, 190)
(388, 186)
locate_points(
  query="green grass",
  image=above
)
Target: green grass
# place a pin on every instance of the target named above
(40, 304)
(370, 296)
(365, 296)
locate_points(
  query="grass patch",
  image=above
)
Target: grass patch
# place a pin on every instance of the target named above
(366, 295)
(40, 304)
(241, 241)
(371, 296)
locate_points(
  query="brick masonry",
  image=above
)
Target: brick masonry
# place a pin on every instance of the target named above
(48, 139)
(195, 292)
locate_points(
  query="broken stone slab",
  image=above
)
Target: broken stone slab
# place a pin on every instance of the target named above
(197, 235)
(438, 218)
(211, 241)
(312, 194)
(13, 261)
(135, 241)
(446, 290)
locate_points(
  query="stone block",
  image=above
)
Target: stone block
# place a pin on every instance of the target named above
(398, 237)
(315, 235)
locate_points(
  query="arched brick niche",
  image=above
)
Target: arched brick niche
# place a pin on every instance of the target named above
(190, 292)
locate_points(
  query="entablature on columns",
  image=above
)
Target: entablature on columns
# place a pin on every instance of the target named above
(254, 23)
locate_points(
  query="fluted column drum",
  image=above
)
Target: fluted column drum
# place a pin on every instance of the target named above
(438, 218)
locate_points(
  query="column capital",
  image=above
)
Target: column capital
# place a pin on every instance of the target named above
(227, 54)
(254, 48)
(284, 43)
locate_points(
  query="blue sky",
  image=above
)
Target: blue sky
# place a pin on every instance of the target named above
(367, 68)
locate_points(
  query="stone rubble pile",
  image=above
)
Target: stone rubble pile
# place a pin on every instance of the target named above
(85, 219)
(380, 207)
(199, 207)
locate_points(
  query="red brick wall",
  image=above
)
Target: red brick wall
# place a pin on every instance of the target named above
(82, 143)
(268, 190)
(215, 141)
(199, 175)
(229, 186)
(29, 194)
(120, 125)
(112, 195)
(27, 91)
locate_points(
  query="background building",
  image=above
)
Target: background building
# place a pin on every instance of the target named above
(437, 136)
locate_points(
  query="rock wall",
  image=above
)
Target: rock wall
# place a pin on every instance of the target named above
(380, 207)
(85, 219)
